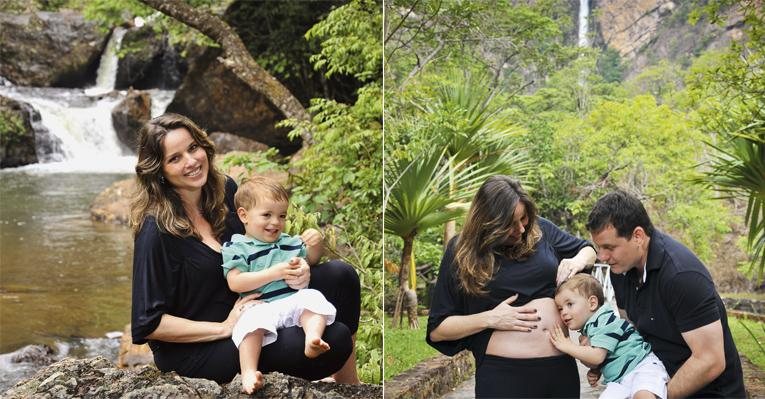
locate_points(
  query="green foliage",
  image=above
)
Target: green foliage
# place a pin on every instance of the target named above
(404, 348)
(110, 13)
(417, 193)
(366, 257)
(610, 66)
(511, 42)
(728, 91)
(26, 6)
(257, 162)
(350, 41)
(11, 126)
(339, 175)
(749, 337)
(662, 81)
(644, 148)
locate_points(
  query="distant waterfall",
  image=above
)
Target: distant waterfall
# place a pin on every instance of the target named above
(107, 69)
(584, 14)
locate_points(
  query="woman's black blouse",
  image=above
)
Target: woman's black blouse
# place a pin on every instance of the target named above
(531, 278)
(180, 277)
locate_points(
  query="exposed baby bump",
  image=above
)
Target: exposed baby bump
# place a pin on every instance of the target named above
(521, 344)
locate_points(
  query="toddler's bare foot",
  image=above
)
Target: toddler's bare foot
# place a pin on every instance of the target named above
(315, 347)
(252, 380)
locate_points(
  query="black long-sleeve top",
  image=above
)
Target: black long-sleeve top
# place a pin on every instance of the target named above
(180, 277)
(531, 278)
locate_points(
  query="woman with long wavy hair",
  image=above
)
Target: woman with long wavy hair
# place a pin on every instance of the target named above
(182, 212)
(494, 295)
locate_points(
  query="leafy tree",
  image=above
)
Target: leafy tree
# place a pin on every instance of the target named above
(513, 43)
(339, 175)
(729, 92)
(647, 149)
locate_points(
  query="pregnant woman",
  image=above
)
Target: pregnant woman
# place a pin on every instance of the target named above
(494, 295)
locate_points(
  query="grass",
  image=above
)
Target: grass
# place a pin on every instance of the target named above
(404, 348)
(744, 295)
(745, 342)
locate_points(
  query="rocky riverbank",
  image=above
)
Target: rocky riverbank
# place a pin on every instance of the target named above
(98, 377)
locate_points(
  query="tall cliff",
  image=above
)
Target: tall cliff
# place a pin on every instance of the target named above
(645, 31)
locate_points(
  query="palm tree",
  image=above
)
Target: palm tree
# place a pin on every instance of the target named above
(473, 130)
(417, 197)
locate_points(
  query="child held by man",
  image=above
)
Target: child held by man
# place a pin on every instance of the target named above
(629, 367)
(259, 262)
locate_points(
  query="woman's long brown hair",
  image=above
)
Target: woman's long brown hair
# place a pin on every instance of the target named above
(156, 197)
(486, 231)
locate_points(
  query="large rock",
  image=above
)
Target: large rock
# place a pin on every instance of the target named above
(227, 142)
(132, 355)
(643, 31)
(58, 49)
(129, 115)
(151, 61)
(113, 204)
(17, 136)
(98, 377)
(217, 100)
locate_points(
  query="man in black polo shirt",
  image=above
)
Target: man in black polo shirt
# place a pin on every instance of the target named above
(670, 297)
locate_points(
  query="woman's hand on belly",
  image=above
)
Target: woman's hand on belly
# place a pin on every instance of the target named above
(529, 343)
(513, 318)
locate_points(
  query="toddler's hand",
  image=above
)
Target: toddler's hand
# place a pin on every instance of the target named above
(287, 270)
(312, 238)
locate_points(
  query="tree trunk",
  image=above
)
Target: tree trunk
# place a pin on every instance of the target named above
(237, 58)
(406, 298)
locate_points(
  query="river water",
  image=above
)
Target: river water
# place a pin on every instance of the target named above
(64, 279)
(63, 275)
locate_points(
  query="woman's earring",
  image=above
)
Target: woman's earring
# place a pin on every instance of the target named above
(162, 180)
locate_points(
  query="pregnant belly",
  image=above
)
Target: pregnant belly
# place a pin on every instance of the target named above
(523, 345)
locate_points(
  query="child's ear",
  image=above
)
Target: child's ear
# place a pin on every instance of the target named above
(593, 302)
(242, 213)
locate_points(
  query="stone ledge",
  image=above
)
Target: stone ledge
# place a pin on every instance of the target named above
(431, 378)
(99, 378)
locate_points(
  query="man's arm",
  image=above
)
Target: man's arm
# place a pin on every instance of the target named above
(706, 363)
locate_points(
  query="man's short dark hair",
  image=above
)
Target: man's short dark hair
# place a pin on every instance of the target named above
(621, 210)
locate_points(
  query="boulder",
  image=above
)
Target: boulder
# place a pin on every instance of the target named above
(17, 136)
(132, 355)
(98, 377)
(227, 142)
(37, 355)
(59, 49)
(217, 100)
(150, 62)
(129, 115)
(113, 204)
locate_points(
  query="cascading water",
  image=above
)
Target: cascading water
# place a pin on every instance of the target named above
(107, 68)
(584, 14)
(75, 133)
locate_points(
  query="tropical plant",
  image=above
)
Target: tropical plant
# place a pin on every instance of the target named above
(474, 130)
(417, 197)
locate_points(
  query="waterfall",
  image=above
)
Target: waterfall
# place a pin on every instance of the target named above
(584, 13)
(107, 69)
(75, 132)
